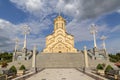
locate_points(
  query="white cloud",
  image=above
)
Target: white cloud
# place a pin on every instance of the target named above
(9, 31)
(84, 9)
(81, 9)
(118, 11)
(39, 8)
(79, 30)
(116, 28)
(112, 45)
(37, 27)
(29, 5)
(78, 9)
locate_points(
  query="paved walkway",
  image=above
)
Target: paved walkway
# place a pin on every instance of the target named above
(60, 74)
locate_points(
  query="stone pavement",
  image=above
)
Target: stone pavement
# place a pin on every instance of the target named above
(60, 74)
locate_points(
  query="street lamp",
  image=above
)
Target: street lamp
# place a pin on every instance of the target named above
(103, 38)
(26, 30)
(93, 31)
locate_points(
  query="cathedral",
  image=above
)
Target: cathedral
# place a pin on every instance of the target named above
(60, 41)
(59, 51)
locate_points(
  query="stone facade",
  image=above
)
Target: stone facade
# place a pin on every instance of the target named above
(60, 41)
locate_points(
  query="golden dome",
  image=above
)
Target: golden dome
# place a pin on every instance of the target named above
(59, 18)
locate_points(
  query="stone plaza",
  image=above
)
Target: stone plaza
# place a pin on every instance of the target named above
(60, 74)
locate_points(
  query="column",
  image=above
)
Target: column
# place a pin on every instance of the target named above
(93, 31)
(25, 42)
(26, 30)
(16, 46)
(103, 38)
(85, 57)
(34, 59)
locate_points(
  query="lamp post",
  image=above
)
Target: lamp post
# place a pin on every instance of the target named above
(93, 31)
(86, 57)
(26, 30)
(16, 43)
(34, 58)
(16, 46)
(103, 38)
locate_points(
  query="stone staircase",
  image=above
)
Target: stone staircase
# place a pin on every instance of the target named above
(17, 64)
(60, 60)
(66, 60)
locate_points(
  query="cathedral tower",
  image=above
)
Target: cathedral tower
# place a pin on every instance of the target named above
(60, 41)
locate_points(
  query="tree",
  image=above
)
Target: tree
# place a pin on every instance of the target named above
(22, 67)
(13, 70)
(114, 57)
(6, 57)
(108, 68)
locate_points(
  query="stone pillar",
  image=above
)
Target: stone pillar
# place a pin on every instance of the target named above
(14, 53)
(104, 47)
(25, 42)
(93, 31)
(95, 45)
(24, 48)
(34, 59)
(26, 30)
(14, 56)
(16, 46)
(85, 57)
(103, 38)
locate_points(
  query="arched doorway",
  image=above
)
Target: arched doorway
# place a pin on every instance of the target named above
(60, 52)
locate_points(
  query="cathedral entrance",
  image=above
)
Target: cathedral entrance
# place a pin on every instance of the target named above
(60, 51)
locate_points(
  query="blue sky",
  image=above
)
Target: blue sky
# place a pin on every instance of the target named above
(40, 14)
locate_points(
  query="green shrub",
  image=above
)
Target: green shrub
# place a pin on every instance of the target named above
(108, 68)
(22, 67)
(13, 70)
(99, 67)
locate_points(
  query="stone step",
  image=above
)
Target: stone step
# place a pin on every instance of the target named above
(60, 60)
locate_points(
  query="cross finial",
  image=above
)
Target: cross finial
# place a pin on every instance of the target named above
(59, 12)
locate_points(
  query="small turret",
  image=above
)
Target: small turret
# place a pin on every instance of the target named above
(59, 23)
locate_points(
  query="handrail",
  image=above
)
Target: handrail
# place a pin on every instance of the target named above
(96, 77)
(23, 76)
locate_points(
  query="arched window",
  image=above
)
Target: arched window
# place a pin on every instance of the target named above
(56, 25)
(62, 25)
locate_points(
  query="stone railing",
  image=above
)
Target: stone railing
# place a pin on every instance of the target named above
(23, 77)
(89, 73)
